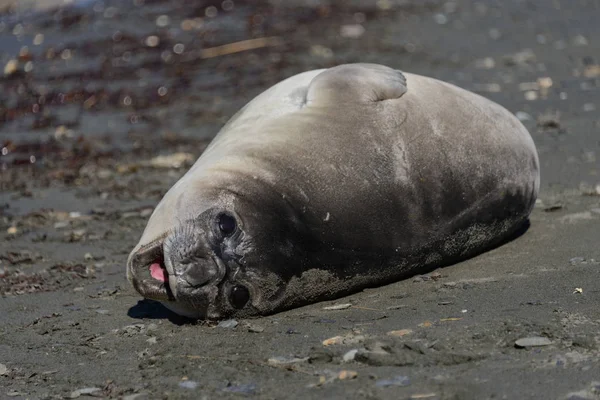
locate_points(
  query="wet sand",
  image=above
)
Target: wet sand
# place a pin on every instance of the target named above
(103, 106)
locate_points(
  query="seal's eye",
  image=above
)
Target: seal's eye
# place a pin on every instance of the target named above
(227, 224)
(239, 296)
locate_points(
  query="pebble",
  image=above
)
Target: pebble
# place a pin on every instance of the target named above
(587, 107)
(248, 389)
(135, 396)
(396, 307)
(347, 374)
(523, 116)
(175, 160)
(400, 332)
(440, 19)
(254, 328)
(189, 385)
(346, 339)
(580, 40)
(350, 355)
(399, 380)
(85, 391)
(533, 341)
(531, 95)
(352, 31)
(485, 63)
(279, 360)
(3, 369)
(338, 307)
(61, 224)
(520, 58)
(11, 67)
(228, 324)
(152, 41)
(576, 260)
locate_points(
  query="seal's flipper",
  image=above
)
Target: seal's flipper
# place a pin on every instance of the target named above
(356, 83)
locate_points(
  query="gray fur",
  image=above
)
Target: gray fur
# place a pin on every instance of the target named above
(341, 179)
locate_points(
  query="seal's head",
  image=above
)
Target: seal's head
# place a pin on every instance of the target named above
(223, 261)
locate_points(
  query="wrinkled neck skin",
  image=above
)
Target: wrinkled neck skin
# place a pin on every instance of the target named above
(204, 266)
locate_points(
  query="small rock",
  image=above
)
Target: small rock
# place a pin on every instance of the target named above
(12, 230)
(440, 19)
(176, 160)
(11, 67)
(152, 41)
(85, 391)
(247, 389)
(395, 381)
(103, 312)
(254, 328)
(346, 375)
(189, 385)
(352, 31)
(576, 260)
(534, 341)
(400, 333)
(135, 396)
(13, 393)
(485, 63)
(580, 40)
(522, 57)
(523, 116)
(280, 361)
(151, 340)
(61, 224)
(3, 369)
(531, 95)
(350, 355)
(338, 307)
(553, 207)
(146, 212)
(346, 339)
(396, 307)
(228, 324)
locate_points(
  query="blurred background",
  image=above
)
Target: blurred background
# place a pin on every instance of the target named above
(93, 91)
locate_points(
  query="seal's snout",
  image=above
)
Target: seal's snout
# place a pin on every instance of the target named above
(190, 261)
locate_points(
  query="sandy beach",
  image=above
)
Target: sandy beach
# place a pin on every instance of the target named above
(105, 104)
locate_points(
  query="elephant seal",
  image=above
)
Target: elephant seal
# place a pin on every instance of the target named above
(332, 181)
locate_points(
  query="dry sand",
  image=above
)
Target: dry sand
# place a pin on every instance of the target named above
(104, 88)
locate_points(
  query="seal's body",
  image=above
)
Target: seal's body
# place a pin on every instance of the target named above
(332, 181)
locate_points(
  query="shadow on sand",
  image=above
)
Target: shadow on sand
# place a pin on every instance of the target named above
(154, 310)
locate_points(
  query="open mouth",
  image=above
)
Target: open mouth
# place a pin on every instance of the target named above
(148, 273)
(159, 272)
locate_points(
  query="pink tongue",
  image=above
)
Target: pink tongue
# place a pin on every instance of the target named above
(158, 272)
